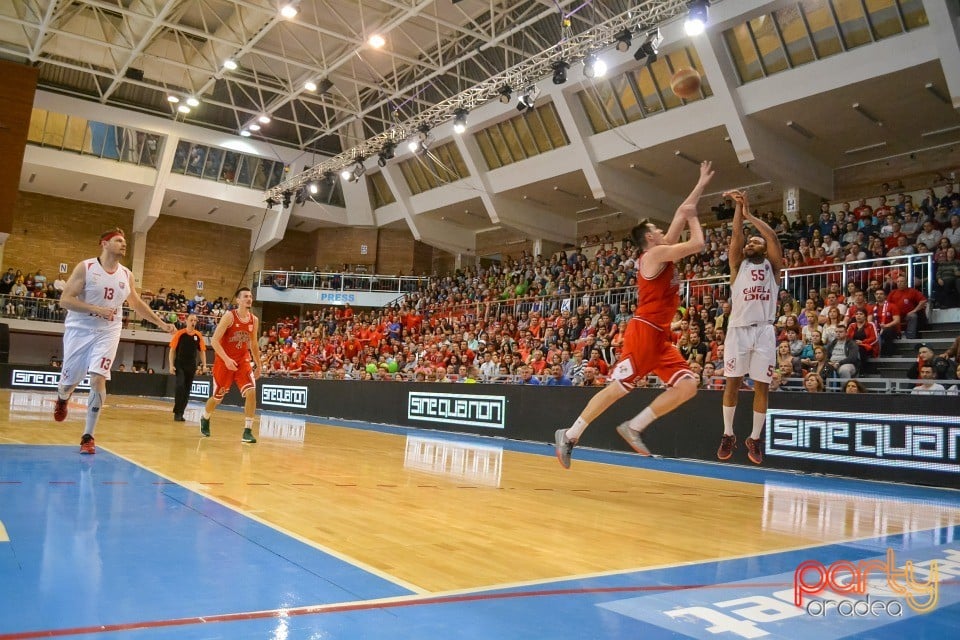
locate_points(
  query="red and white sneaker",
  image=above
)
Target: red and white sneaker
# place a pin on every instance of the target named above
(60, 411)
(87, 445)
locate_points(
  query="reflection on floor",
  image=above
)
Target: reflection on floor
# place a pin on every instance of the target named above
(367, 531)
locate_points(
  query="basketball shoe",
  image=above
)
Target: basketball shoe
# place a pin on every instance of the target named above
(564, 447)
(754, 450)
(248, 436)
(60, 410)
(87, 445)
(727, 445)
(633, 438)
(205, 427)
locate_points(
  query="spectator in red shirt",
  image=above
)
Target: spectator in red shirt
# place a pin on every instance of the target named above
(911, 304)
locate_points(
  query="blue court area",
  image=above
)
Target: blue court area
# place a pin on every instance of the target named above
(98, 547)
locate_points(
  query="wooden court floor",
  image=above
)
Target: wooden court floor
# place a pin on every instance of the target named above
(439, 513)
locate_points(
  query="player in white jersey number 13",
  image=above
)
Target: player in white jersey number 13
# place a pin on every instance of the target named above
(94, 297)
(750, 346)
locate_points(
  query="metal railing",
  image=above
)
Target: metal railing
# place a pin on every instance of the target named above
(49, 310)
(340, 281)
(799, 281)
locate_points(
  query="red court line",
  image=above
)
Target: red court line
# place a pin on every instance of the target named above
(364, 606)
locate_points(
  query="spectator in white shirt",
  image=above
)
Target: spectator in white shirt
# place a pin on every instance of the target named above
(928, 387)
(929, 236)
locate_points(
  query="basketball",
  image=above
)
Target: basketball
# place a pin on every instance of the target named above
(685, 83)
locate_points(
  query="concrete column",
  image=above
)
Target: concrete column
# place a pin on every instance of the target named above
(137, 247)
(798, 202)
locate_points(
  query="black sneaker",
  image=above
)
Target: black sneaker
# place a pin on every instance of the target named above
(248, 436)
(205, 427)
(178, 417)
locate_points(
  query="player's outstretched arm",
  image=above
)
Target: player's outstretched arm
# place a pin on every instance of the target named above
(737, 239)
(682, 213)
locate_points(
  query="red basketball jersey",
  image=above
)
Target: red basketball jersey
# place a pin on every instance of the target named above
(236, 339)
(658, 298)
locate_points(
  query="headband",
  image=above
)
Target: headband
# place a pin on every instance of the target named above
(110, 235)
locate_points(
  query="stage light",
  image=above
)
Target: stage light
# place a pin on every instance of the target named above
(290, 10)
(528, 98)
(271, 203)
(594, 67)
(505, 93)
(650, 47)
(346, 174)
(460, 120)
(386, 154)
(310, 85)
(313, 187)
(696, 21)
(301, 196)
(193, 102)
(624, 40)
(286, 199)
(229, 64)
(560, 71)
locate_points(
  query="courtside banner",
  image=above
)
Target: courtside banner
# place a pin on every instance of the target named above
(284, 396)
(200, 389)
(41, 379)
(917, 442)
(454, 408)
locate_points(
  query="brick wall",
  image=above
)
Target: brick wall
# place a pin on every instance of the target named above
(181, 251)
(297, 248)
(336, 247)
(47, 231)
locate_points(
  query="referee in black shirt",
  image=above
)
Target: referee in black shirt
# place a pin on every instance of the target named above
(186, 344)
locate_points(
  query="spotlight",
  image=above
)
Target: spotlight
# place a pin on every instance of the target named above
(386, 154)
(301, 196)
(290, 10)
(650, 47)
(310, 85)
(419, 141)
(560, 71)
(313, 187)
(193, 102)
(696, 21)
(376, 41)
(460, 120)
(183, 109)
(624, 40)
(254, 126)
(505, 93)
(286, 199)
(330, 178)
(346, 174)
(264, 119)
(172, 99)
(229, 64)
(527, 99)
(593, 67)
(271, 203)
(245, 133)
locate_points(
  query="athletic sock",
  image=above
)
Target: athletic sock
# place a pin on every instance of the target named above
(206, 416)
(728, 413)
(574, 432)
(759, 419)
(642, 420)
(248, 423)
(94, 403)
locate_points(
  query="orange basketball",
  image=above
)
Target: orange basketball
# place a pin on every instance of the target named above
(685, 83)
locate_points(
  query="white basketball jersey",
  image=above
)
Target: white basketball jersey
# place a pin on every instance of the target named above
(753, 296)
(101, 289)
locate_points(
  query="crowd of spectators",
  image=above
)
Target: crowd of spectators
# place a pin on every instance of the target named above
(560, 319)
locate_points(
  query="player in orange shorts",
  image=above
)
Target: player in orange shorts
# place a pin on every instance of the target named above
(646, 345)
(235, 342)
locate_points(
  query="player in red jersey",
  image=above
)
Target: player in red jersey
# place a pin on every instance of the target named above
(646, 345)
(235, 341)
